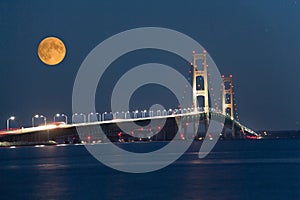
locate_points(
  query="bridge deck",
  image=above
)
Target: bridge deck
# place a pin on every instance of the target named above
(62, 126)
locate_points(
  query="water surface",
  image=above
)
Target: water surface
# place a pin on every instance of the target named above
(264, 169)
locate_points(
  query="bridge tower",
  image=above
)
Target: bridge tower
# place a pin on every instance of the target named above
(197, 72)
(227, 100)
(225, 93)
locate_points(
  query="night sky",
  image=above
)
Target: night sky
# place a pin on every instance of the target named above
(258, 42)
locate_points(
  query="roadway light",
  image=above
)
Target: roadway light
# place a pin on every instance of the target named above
(98, 116)
(89, 117)
(7, 121)
(115, 115)
(150, 113)
(73, 116)
(135, 114)
(32, 119)
(103, 116)
(66, 117)
(38, 116)
(84, 117)
(164, 112)
(76, 114)
(158, 112)
(143, 114)
(127, 113)
(45, 119)
(60, 115)
(57, 115)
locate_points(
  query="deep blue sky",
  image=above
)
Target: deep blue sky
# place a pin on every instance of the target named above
(256, 41)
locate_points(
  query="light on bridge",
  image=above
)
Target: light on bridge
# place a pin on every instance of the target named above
(60, 115)
(7, 121)
(37, 117)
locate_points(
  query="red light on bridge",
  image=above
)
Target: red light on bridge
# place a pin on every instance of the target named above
(194, 52)
(223, 76)
(182, 136)
(251, 137)
(230, 75)
(89, 137)
(119, 134)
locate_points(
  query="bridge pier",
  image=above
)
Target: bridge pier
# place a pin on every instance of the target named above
(233, 135)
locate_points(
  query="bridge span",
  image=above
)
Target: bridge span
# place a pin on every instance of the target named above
(190, 123)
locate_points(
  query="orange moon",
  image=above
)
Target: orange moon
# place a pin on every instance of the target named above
(51, 51)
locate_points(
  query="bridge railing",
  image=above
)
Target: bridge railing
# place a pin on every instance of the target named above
(137, 114)
(141, 114)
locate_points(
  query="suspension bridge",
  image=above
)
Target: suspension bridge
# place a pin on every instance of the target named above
(164, 123)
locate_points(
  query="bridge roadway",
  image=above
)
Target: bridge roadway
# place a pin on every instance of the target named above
(49, 127)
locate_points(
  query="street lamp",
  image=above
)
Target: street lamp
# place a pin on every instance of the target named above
(7, 121)
(76, 114)
(150, 113)
(136, 114)
(164, 113)
(103, 116)
(158, 112)
(123, 115)
(116, 115)
(127, 115)
(61, 115)
(36, 117)
(144, 112)
(98, 116)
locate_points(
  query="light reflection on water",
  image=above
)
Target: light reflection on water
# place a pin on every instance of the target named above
(234, 170)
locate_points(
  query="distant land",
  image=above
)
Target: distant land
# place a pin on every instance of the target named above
(283, 134)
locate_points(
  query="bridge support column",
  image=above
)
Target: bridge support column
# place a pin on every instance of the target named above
(201, 72)
(227, 101)
(233, 129)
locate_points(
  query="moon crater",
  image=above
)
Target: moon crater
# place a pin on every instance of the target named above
(51, 51)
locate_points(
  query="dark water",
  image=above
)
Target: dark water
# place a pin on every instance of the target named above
(265, 169)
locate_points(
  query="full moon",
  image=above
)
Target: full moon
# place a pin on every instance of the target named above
(51, 51)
